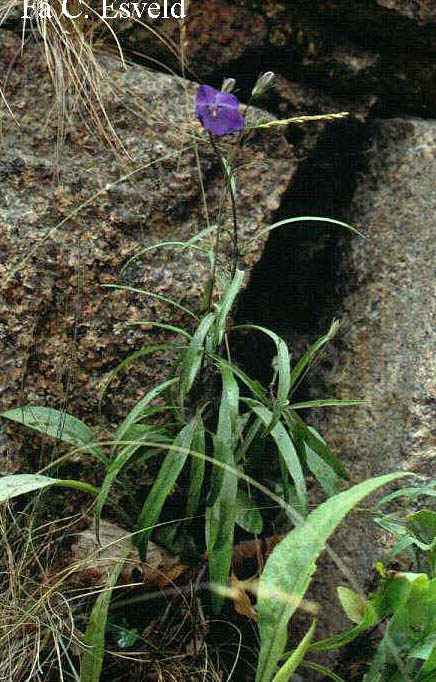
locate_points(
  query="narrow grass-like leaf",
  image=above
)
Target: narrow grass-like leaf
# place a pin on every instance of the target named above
(136, 434)
(168, 244)
(193, 355)
(309, 355)
(296, 423)
(253, 385)
(196, 470)
(225, 305)
(291, 664)
(56, 424)
(326, 402)
(93, 653)
(151, 294)
(289, 569)
(302, 219)
(321, 669)
(140, 409)
(283, 361)
(163, 485)
(21, 484)
(248, 440)
(159, 325)
(146, 350)
(288, 452)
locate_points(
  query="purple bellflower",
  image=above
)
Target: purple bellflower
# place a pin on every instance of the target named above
(218, 111)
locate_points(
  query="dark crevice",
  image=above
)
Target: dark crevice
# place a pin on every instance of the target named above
(297, 286)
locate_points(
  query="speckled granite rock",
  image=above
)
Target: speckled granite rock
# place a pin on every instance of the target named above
(386, 349)
(67, 227)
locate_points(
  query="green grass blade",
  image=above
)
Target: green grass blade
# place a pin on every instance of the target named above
(248, 515)
(284, 373)
(163, 485)
(160, 325)
(303, 219)
(196, 471)
(253, 385)
(146, 350)
(140, 409)
(225, 305)
(291, 664)
(193, 355)
(326, 402)
(94, 640)
(151, 294)
(289, 569)
(168, 244)
(296, 424)
(248, 440)
(137, 434)
(309, 355)
(57, 424)
(321, 669)
(288, 452)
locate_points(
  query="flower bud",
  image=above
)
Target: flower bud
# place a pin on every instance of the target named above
(262, 84)
(228, 85)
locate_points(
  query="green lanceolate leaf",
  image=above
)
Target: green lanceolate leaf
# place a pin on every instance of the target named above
(224, 439)
(151, 294)
(326, 402)
(193, 355)
(197, 470)
(163, 485)
(21, 484)
(248, 515)
(291, 664)
(56, 424)
(93, 651)
(324, 474)
(220, 526)
(288, 453)
(289, 569)
(225, 305)
(295, 422)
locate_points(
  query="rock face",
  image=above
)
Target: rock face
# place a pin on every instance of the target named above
(67, 226)
(386, 352)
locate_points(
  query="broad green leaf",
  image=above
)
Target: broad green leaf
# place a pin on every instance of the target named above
(220, 526)
(193, 355)
(353, 604)
(56, 424)
(163, 485)
(422, 527)
(225, 305)
(288, 453)
(323, 472)
(196, 471)
(289, 569)
(21, 484)
(291, 664)
(224, 439)
(93, 643)
(248, 516)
